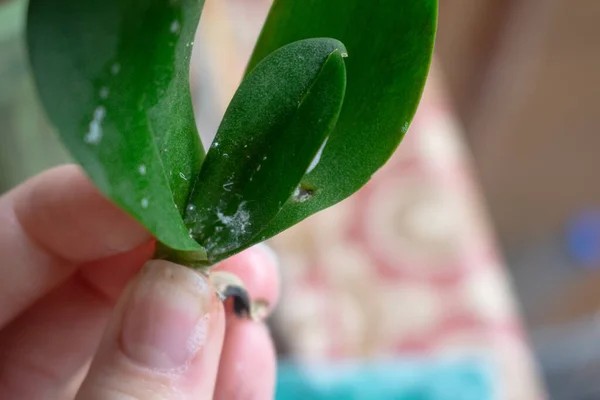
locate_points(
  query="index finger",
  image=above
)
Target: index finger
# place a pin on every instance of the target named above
(49, 226)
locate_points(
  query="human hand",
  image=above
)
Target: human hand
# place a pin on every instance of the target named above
(72, 294)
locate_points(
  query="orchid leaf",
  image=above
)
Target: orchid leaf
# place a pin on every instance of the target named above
(281, 115)
(113, 76)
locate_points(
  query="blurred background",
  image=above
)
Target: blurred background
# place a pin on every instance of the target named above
(469, 267)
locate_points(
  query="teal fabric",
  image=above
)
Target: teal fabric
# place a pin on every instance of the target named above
(392, 380)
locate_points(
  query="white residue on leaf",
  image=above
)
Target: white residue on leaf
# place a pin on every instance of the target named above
(142, 169)
(344, 54)
(232, 226)
(264, 158)
(258, 168)
(104, 92)
(174, 28)
(94, 135)
(317, 158)
(405, 127)
(237, 223)
(145, 202)
(182, 176)
(227, 186)
(191, 207)
(216, 144)
(115, 68)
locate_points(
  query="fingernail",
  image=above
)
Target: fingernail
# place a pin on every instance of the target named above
(167, 317)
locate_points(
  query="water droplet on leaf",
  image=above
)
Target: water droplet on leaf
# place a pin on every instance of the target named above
(94, 135)
(104, 92)
(174, 28)
(115, 68)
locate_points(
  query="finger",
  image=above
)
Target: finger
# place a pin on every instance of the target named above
(163, 341)
(258, 268)
(247, 369)
(42, 350)
(48, 226)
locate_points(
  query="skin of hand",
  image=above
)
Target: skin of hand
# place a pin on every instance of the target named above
(85, 315)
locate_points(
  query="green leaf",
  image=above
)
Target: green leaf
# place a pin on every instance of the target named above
(390, 44)
(113, 78)
(274, 127)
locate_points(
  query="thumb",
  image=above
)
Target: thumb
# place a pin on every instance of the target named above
(163, 341)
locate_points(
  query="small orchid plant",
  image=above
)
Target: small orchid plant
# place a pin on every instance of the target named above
(329, 92)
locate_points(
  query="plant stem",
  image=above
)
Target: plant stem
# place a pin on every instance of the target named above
(193, 259)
